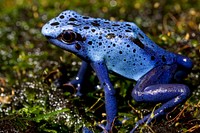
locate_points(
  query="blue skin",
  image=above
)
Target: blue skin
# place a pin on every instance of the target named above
(121, 48)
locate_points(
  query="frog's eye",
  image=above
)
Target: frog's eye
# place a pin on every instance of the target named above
(68, 36)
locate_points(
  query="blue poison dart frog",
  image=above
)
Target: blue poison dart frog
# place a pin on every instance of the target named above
(121, 48)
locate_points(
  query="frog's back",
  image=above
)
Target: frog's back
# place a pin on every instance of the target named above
(133, 54)
(125, 49)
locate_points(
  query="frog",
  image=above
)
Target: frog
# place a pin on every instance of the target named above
(121, 48)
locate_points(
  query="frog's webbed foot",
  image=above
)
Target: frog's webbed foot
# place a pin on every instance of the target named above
(156, 87)
(75, 84)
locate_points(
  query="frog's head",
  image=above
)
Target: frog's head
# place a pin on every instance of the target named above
(61, 31)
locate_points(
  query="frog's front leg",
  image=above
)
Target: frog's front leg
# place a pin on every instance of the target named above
(110, 99)
(78, 80)
(156, 86)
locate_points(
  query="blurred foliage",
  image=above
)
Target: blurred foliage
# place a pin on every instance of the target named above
(29, 65)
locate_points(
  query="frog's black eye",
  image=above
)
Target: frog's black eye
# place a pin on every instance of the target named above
(68, 36)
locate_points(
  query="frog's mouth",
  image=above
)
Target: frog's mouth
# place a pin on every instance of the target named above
(52, 40)
(49, 37)
(57, 42)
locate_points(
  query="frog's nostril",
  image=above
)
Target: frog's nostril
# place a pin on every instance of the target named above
(44, 30)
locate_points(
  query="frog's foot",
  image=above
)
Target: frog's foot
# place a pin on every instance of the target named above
(73, 87)
(76, 88)
(75, 84)
(103, 128)
(86, 130)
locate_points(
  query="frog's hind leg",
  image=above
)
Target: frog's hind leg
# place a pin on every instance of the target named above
(156, 87)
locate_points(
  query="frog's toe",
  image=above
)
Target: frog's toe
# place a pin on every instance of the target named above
(78, 94)
(133, 130)
(86, 130)
(78, 91)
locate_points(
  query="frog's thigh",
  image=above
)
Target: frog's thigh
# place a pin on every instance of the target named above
(163, 93)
